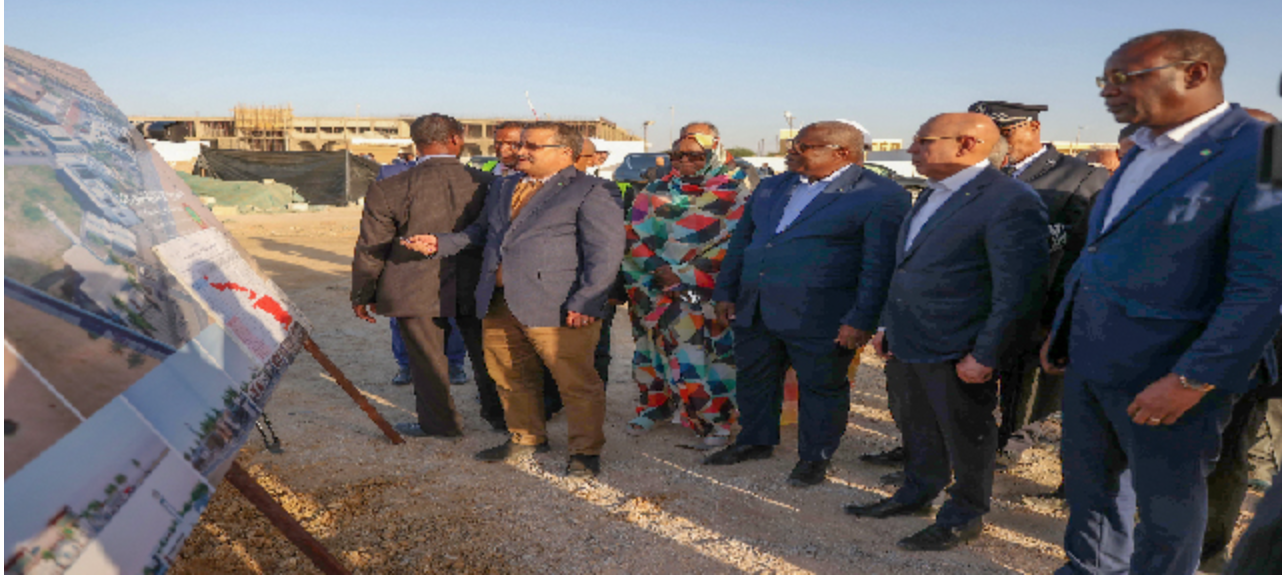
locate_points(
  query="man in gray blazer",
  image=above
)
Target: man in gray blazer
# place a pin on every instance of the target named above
(439, 193)
(552, 243)
(969, 271)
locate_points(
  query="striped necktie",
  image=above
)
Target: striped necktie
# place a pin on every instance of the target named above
(521, 196)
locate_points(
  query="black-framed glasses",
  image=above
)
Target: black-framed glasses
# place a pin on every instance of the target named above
(928, 139)
(802, 147)
(531, 147)
(510, 144)
(1118, 78)
(691, 156)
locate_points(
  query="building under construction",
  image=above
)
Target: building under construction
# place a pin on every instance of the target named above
(276, 129)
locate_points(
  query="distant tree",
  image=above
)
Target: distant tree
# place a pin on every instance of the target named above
(120, 478)
(741, 152)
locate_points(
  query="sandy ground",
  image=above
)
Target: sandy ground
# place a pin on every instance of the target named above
(428, 507)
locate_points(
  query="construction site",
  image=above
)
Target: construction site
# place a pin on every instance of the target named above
(277, 129)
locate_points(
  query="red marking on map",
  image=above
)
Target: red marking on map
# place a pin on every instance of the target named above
(266, 303)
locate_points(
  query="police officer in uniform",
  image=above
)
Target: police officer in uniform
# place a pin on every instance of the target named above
(1067, 185)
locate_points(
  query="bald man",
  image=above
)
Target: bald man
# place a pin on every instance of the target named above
(969, 268)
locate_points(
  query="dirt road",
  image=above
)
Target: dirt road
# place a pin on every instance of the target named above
(428, 507)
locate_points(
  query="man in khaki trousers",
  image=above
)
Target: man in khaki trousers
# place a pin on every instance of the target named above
(553, 244)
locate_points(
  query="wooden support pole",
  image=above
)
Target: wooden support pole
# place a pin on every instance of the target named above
(351, 390)
(280, 518)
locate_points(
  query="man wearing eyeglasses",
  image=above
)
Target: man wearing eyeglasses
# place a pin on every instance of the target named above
(553, 242)
(1166, 312)
(1066, 185)
(803, 282)
(969, 269)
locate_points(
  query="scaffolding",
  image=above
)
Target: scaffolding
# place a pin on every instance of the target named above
(263, 128)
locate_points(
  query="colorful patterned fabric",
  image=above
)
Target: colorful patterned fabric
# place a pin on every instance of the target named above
(686, 225)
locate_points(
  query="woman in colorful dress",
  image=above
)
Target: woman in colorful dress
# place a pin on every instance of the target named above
(678, 232)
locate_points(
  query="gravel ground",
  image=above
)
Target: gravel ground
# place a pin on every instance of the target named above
(428, 507)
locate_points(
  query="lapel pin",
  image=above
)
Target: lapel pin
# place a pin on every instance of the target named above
(1206, 151)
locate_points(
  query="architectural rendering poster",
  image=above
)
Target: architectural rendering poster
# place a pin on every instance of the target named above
(139, 344)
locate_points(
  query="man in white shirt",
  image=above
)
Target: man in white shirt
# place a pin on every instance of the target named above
(1167, 311)
(970, 265)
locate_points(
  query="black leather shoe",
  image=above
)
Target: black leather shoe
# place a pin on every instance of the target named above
(510, 451)
(936, 538)
(808, 473)
(739, 453)
(583, 466)
(895, 457)
(887, 508)
(413, 430)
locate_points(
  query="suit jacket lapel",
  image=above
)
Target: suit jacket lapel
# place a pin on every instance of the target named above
(782, 196)
(1040, 166)
(830, 194)
(960, 198)
(1191, 157)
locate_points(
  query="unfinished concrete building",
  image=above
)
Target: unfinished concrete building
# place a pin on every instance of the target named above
(275, 128)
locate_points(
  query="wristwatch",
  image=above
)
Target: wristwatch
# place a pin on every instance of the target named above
(1195, 385)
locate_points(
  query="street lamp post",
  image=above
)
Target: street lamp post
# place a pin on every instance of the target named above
(788, 116)
(645, 138)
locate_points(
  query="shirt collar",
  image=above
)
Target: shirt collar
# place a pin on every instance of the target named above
(1019, 167)
(828, 178)
(1181, 134)
(956, 181)
(422, 159)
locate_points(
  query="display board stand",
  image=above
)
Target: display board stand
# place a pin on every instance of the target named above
(281, 519)
(351, 390)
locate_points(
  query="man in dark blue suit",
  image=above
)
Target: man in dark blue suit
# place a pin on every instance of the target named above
(1166, 311)
(971, 262)
(804, 281)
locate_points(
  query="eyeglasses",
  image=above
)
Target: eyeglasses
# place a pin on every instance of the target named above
(1118, 78)
(530, 147)
(691, 156)
(928, 139)
(802, 147)
(500, 143)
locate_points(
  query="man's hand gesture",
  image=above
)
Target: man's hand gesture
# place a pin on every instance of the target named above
(424, 244)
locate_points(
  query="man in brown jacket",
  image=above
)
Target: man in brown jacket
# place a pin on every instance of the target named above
(439, 193)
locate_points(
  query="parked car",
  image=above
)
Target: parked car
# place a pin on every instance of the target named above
(910, 183)
(479, 161)
(637, 170)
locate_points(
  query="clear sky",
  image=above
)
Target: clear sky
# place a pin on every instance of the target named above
(739, 64)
